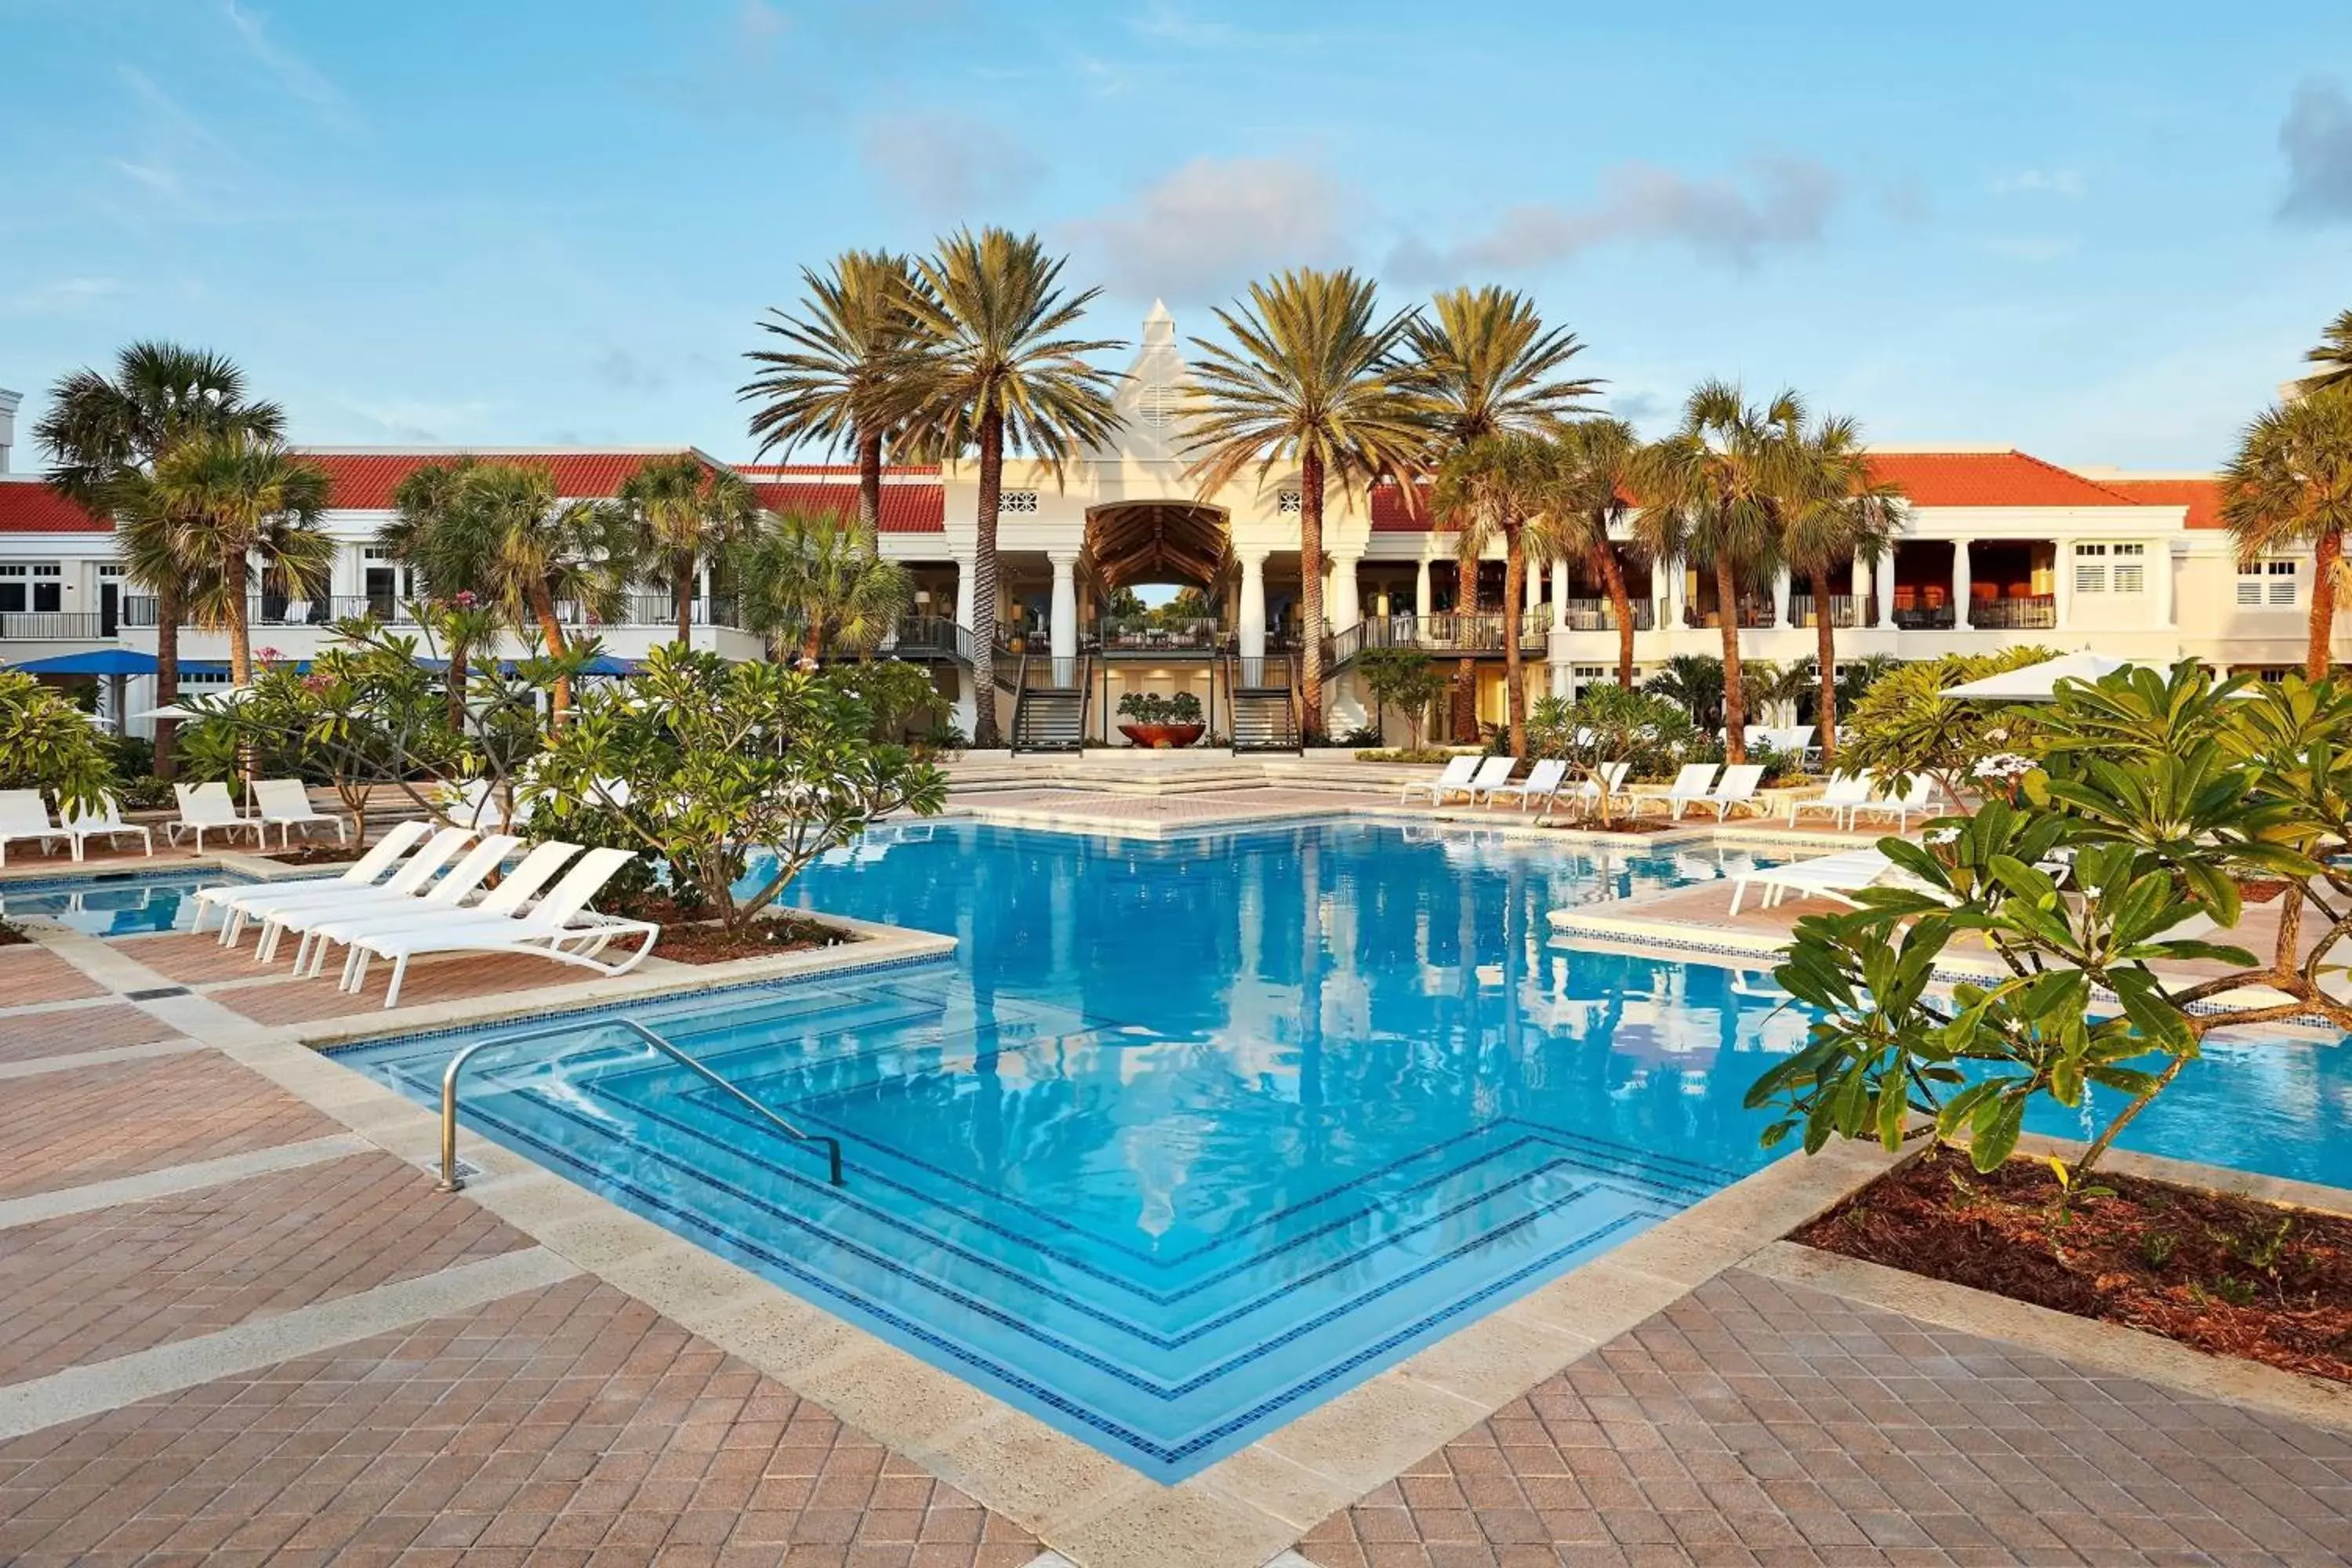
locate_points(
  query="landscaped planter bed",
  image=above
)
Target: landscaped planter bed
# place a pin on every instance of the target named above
(2227, 1274)
(689, 938)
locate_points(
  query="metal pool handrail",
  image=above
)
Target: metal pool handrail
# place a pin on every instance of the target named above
(451, 1182)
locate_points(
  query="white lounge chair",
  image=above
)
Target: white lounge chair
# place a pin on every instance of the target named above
(1844, 792)
(208, 807)
(396, 841)
(24, 817)
(285, 804)
(415, 871)
(461, 881)
(1917, 799)
(518, 887)
(1454, 779)
(1493, 774)
(1837, 875)
(1738, 788)
(561, 927)
(1589, 795)
(1542, 783)
(104, 823)
(1691, 783)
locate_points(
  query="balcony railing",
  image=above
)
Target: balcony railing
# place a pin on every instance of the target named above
(1594, 616)
(1935, 618)
(2029, 612)
(1753, 613)
(636, 610)
(1845, 610)
(1136, 634)
(54, 625)
(929, 638)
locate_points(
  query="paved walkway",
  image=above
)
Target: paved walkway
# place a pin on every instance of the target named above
(239, 1333)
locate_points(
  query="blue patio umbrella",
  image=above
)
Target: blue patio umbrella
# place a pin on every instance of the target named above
(106, 661)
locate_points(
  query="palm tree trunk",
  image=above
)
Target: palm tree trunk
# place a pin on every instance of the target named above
(1515, 593)
(869, 490)
(1310, 594)
(682, 580)
(983, 579)
(167, 673)
(542, 606)
(2329, 550)
(1825, 656)
(240, 634)
(1735, 706)
(813, 642)
(1621, 607)
(1466, 669)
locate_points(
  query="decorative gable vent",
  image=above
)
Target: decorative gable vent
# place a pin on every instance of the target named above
(1286, 503)
(1157, 405)
(1017, 500)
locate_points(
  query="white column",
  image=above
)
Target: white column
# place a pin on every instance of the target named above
(1420, 586)
(1960, 584)
(1559, 595)
(1861, 591)
(1340, 606)
(1781, 598)
(1532, 584)
(2160, 579)
(1061, 633)
(963, 604)
(2062, 582)
(1886, 591)
(967, 698)
(1677, 590)
(1251, 623)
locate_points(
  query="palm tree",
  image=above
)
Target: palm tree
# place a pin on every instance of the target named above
(687, 514)
(2335, 352)
(1709, 494)
(102, 435)
(809, 576)
(1310, 378)
(500, 531)
(1836, 514)
(2289, 486)
(1588, 501)
(1485, 365)
(991, 371)
(1693, 682)
(244, 499)
(840, 380)
(1492, 487)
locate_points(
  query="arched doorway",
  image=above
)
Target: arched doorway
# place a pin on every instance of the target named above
(1141, 544)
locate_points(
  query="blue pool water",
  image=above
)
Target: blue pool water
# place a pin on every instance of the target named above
(1192, 1134)
(109, 904)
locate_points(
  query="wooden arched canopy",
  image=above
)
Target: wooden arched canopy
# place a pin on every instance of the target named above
(1156, 541)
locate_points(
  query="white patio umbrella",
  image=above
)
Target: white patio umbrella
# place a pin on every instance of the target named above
(2039, 682)
(174, 710)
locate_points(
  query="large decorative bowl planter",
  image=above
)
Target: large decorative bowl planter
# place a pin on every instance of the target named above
(1163, 737)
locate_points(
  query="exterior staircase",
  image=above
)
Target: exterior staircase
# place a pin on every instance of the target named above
(1265, 716)
(1048, 717)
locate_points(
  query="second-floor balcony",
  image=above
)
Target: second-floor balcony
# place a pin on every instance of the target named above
(1753, 613)
(264, 610)
(2017, 613)
(1595, 615)
(55, 625)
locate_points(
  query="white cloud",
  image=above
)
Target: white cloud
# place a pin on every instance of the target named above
(946, 163)
(1782, 202)
(60, 296)
(1208, 227)
(2316, 137)
(2068, 183)
(294, 73)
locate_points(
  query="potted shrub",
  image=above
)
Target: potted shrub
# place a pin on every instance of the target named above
(1161, 723)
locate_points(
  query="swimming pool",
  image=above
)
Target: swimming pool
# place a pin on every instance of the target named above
(1191, 1134)
(108, 903)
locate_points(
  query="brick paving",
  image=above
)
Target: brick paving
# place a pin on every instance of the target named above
(442, 980)
(91, 1285)
(31, 975)
(568, 1426)
(28, 1036)
(1755, 1422)
(94, 1123)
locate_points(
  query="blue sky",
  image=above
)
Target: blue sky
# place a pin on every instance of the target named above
(2101, 232)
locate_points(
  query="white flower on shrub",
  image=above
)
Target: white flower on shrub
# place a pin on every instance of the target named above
(2006, 767)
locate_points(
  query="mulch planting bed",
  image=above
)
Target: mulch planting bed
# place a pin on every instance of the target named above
(2227, 1274)
(1658, 825)
(688, 937)
(11, 937)
(316, 854)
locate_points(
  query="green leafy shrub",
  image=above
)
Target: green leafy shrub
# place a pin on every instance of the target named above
(47, 744)
(1903, 724)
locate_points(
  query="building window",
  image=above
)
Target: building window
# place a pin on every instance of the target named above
(1017, 500)
(1286, 503)
(36, 585)
(2131, 569)
(2090, 568)
(2268, 582)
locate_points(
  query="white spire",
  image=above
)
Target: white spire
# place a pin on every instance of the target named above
(1159, 326)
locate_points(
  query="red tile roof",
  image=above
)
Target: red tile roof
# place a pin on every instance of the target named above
(1928, 479)
(2202, 497)
(906, 508)
(754, 471)
(28, 506)
(365, 481)
(1990, 478)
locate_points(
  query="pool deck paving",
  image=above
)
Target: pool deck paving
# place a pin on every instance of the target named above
(247, 1328)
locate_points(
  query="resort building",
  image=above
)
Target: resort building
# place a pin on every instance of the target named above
(1999, 547)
